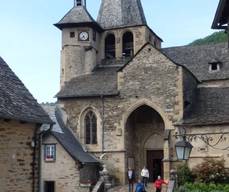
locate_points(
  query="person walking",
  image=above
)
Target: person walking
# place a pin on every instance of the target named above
(158, 183)
(145, 176)
(139, 186)
(131, 179)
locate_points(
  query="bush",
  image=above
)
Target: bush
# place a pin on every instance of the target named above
(211, 171)
(184, 174)
(202, 187)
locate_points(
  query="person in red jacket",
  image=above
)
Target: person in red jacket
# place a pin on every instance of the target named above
(158, 184)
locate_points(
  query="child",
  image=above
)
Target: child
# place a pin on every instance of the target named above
(139, 186)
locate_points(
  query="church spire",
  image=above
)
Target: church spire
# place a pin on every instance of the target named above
(121, 13)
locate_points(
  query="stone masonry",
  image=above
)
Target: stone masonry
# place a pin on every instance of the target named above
(16, 156)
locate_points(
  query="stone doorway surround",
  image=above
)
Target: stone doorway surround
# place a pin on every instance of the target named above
(165, 143)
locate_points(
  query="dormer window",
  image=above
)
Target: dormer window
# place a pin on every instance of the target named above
(214, 66)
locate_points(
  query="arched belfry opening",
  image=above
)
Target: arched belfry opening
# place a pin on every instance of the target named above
(128, 44)
(110, 46)
(144, 141)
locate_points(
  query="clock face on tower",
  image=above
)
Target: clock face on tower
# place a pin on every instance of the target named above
(83, 36)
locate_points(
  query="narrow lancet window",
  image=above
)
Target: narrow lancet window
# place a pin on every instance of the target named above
(90, 128)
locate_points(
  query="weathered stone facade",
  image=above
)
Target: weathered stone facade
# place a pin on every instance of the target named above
(140, 103)
(68, 180)
(140, 84)
(16, 156)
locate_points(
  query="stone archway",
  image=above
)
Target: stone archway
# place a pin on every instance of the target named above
(144, 142)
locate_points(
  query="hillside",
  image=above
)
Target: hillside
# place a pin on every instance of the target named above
(217, 37)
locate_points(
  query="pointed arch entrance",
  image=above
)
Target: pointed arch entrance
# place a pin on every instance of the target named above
(144, 141)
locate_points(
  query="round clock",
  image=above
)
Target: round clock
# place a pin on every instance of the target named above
(83, 36)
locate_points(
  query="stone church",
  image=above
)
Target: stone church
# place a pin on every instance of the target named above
(125, 98)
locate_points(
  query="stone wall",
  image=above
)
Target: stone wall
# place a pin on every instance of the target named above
(16, 156)
(201, 150)
(63, 171)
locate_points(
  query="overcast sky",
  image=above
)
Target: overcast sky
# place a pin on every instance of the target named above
(30, 44)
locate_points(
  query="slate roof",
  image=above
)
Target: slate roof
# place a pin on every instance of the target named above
(222, 15)
(121, 13)
(16, 102)
(77, 16)
(197, 59)
(101, 82)
(66, 138)
(211, 106)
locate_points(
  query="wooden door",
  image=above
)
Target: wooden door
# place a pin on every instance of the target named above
(154, 163)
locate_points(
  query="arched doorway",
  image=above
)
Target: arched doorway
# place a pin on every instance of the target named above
(144, 141)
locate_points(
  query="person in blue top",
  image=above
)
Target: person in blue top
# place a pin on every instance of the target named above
(139, 186)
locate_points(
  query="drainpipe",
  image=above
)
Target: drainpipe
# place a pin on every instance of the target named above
(34, 145)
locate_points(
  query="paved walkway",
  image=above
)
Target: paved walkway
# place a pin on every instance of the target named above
(149, 188)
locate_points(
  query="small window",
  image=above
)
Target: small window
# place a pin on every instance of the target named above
(214, 66)
(50, 152)
(78, 2)
(72, 34)
(49, 186)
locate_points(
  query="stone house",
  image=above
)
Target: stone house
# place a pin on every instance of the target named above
(126, 98)
(20, 120)
(65, 165)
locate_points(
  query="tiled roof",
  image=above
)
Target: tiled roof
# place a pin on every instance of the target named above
(66, 138)
(121, 13)
(197, 59)
(222, 15)
(211, 106)
(101, 82)
(77, 16)
(16, 102)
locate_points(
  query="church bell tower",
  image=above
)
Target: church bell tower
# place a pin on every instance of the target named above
(80, 34)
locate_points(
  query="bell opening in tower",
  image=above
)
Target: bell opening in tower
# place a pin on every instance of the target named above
(128, 45)
(78, 2)
(110, 47)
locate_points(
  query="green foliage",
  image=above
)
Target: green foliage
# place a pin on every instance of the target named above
(211, 171)
(184, 174)
(202, 187)
(217, 37)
